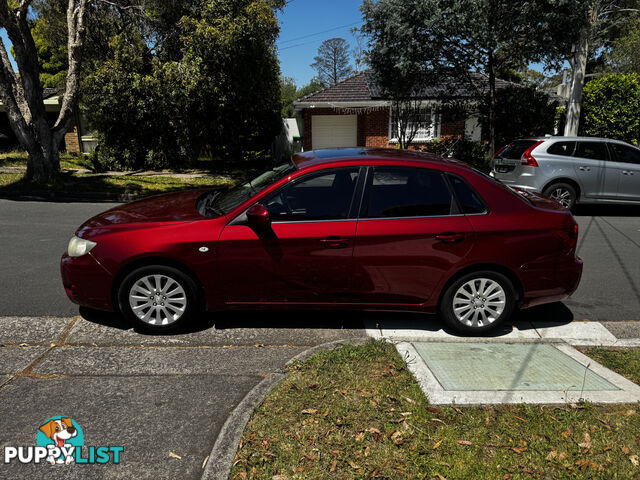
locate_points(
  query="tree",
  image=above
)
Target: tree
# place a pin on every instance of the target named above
(624, 55)
(612, 107)
(21, 93)
(462, 39)
(598, 19)
(409, 116)
(521, 111)
(157, 104)
(288, 92)
(332, 61)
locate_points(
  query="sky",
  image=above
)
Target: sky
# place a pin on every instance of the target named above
(304, 25)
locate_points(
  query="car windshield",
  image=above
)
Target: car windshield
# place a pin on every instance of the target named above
(220, 203)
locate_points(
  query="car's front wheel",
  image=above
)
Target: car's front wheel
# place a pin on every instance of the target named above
(477, 302)
(563, 193)
(158, 298)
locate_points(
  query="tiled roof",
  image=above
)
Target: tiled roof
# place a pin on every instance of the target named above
(49, 92)
(363, 87)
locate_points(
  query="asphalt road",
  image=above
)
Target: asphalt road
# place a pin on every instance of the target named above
(33, 235)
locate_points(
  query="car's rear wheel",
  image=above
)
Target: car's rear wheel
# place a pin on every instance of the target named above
(563, 193)
(477, 302)
(158, 298)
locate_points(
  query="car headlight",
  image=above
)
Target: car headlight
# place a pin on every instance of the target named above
(79, 246)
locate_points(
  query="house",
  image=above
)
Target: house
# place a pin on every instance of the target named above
(78, 139)
(354, 113)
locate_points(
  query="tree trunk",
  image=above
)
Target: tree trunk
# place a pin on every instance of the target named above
(578, 72)
(492, 105)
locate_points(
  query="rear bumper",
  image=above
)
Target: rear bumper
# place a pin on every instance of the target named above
(86, 282)
(553, 285)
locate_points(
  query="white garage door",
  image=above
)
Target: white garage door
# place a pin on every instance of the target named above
(334, 131)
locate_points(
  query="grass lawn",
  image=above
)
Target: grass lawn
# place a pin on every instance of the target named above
(625, 361)
(82, 182)
(356, 412)
(19, 159)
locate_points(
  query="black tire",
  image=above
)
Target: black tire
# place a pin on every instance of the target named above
(447, 303)
(563, 193)
(190, 310)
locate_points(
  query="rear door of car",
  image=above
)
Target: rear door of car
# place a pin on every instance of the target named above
(591, 157)
(410, 233)
(625, 164)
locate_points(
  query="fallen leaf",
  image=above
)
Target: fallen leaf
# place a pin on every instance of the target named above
(258, 344)
(562, 455)
(338, 422)
(606, 448)
(458, 410)
(575, 406)
(279, 477)
(519, 450)
(410, 400)
(552, 454)
(396, 437)
(507, 476)
(626, 450)
(205, 462)
(520, 418)
(586, 442)
(445, 464)
(438, 420)
(309, 411)
(377, 434)
(359, 436)
(567, 433)
(634, 459)
(433, 410)
(175, 455)
(367, 451)
(334, 464)
(582, 463)
(464, 442)
(486, 421)
(353, 464)
(437, 444)
(440, 477)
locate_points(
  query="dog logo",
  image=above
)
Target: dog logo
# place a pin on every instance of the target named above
(61, 436)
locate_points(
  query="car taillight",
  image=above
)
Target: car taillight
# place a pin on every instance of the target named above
(527, 158)
(502, 149)
(569, 236)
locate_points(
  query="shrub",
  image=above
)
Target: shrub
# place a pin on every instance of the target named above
(460, 148)
(611, 106)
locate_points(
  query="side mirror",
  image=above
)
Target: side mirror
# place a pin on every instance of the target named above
(258, 217)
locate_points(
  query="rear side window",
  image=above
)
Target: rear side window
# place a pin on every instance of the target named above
(564, 149)
(468, 199)
(514, 150)
(626, 154)
(407, 192)
(591, 150)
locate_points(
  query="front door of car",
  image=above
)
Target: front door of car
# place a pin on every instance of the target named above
(306, 254)
(410, 233)
(627, 168)
(590, 167)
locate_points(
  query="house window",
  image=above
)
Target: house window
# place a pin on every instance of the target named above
(429, 128)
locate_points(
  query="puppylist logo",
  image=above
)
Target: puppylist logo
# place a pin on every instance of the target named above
(60, 440)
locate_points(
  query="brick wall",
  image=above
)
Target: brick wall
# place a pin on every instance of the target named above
(373, 127)
(72, 140)
(377, 128)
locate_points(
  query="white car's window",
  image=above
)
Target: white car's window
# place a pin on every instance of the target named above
(591, 150)
(626, 154)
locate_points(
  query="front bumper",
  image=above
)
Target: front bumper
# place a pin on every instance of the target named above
(86, 282)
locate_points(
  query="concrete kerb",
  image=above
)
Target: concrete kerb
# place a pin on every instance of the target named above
(222, 454)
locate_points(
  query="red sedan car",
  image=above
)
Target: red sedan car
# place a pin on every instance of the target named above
(351, 228)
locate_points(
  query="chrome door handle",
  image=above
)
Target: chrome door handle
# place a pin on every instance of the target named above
(584, 169)
(627, 172)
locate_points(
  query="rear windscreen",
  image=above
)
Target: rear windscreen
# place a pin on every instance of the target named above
(514, 150)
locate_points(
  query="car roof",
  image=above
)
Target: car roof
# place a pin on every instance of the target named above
(368, 155)
(572, 139)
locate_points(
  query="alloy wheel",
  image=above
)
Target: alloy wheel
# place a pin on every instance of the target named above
(157, 299)
(479, 302)
(563, 196)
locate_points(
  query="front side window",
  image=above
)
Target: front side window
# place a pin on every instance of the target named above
(327, 195)
(591, 150)
(223, 203)
(626, 154)
(407, 192)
